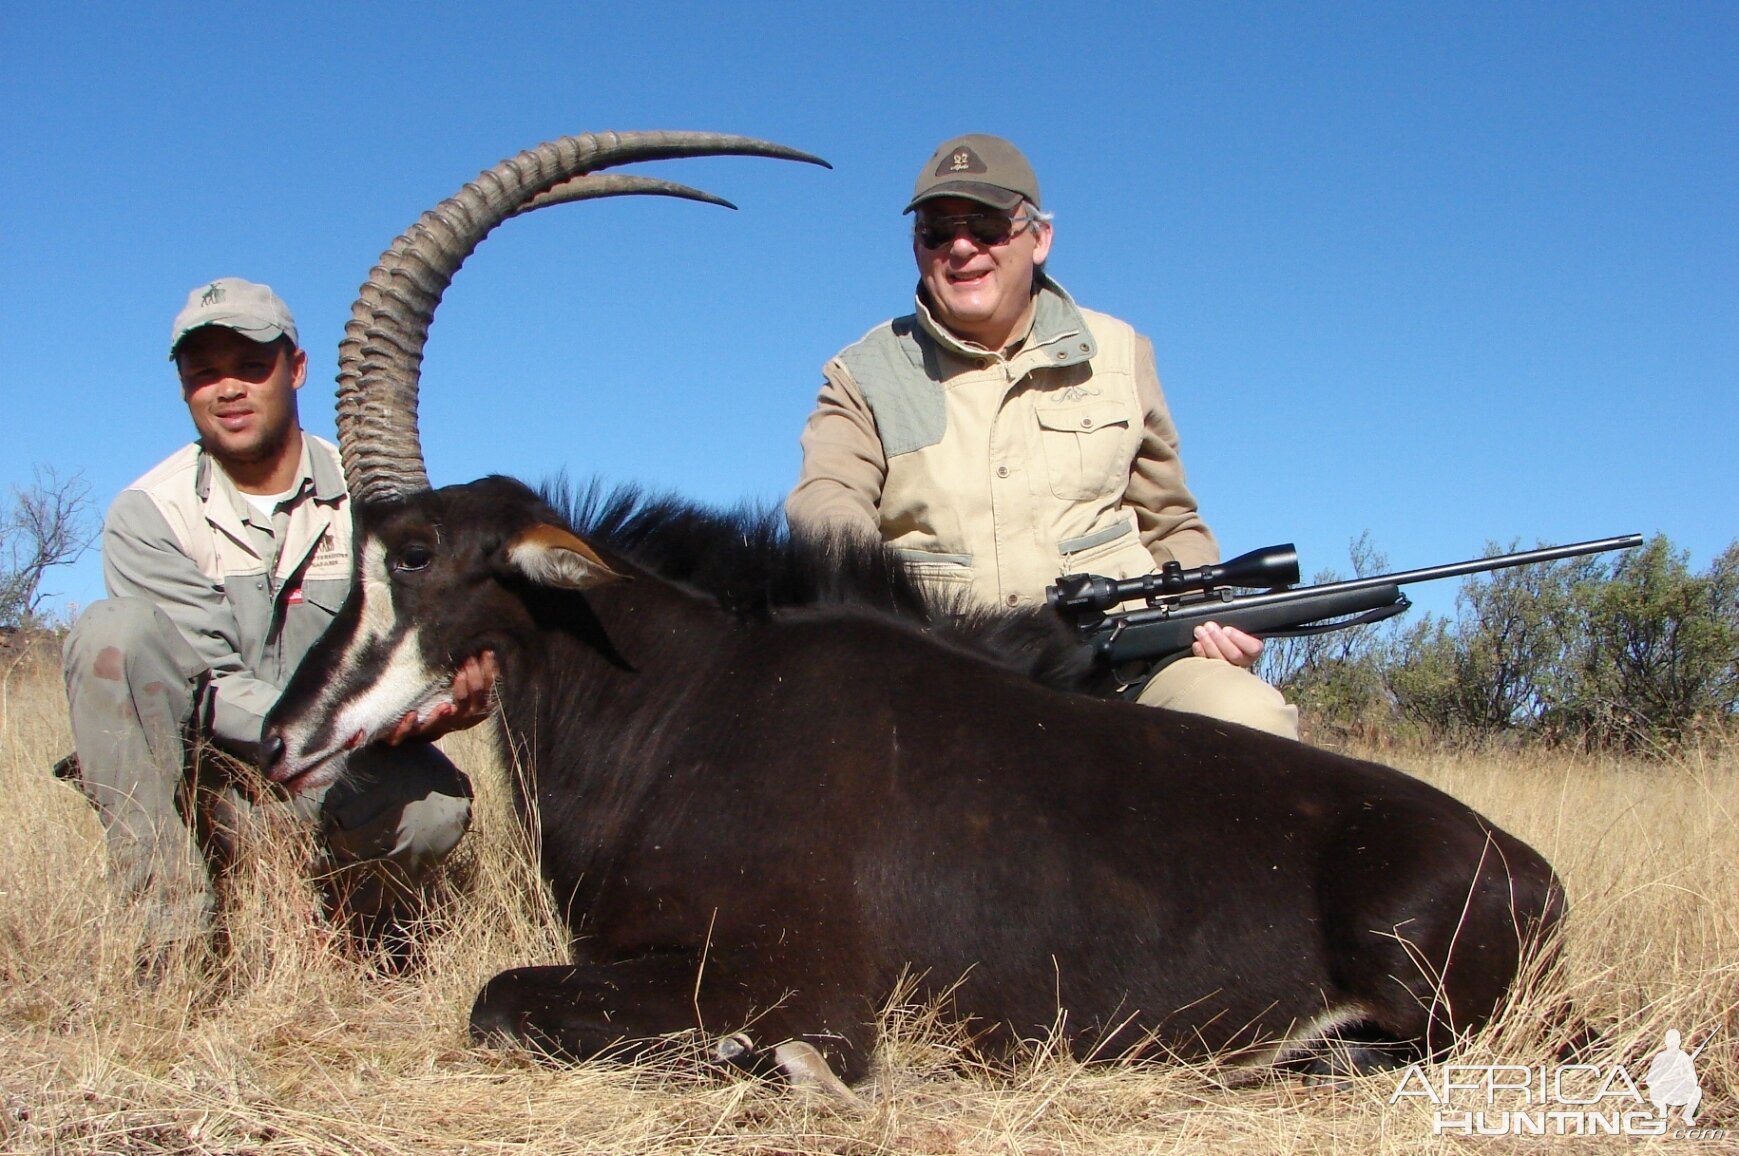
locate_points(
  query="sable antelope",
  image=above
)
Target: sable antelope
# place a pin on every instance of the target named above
(773, 776)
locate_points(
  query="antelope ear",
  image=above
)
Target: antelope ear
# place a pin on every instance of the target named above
(550, 556)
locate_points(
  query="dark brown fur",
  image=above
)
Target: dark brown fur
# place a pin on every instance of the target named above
(771, 780)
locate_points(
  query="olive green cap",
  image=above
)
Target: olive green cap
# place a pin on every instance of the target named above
(981, 168)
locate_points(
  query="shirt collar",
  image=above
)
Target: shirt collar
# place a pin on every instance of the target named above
(317, 470)
(324, 468)
(1055, 318)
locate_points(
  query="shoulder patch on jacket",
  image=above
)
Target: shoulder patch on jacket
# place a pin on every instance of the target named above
(895, 371)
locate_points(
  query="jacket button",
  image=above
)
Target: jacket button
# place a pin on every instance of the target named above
(1002, 471)
(1014, 599)
(1086, 423)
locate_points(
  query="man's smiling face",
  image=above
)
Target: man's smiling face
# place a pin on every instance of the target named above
(241, 393)
(980, 292)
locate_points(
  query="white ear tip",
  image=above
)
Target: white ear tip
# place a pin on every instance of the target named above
(553, 557)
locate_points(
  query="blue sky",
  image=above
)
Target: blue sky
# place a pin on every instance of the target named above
(1445, 273)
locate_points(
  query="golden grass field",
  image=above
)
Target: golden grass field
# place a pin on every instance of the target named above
(288, 1044)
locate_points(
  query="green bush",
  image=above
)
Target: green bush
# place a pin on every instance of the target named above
(1627, 651)
(1335, 679)
(1656, 657)
(1497, 667)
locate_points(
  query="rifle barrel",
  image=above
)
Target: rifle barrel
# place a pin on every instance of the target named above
(1161, 630)
(1482, 565)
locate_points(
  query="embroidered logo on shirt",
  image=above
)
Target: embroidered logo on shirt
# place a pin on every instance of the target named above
(328, 558)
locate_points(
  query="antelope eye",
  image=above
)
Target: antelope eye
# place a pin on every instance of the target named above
(413, 557)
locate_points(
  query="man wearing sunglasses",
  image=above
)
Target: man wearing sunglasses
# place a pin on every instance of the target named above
(1001, 436)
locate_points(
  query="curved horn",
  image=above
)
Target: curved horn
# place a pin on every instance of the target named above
(380, 358)
(588, 186)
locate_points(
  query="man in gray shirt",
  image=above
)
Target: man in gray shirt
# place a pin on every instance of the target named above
(223, 565)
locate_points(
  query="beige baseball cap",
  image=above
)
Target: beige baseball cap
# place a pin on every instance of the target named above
(253, 311)
(981, 168)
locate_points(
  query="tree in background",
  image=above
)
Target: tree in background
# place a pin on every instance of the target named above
(1656, 658)
(49, 524)
(1498, 666)
(1625, 651)
(1335, 679)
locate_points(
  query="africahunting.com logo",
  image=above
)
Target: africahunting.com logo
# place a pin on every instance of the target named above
(1566, 1099)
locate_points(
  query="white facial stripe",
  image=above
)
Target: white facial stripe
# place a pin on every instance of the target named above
(373, 625)
(403, 683)
(377, 608)
(378, 618)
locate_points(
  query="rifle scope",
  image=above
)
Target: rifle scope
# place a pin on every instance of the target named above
(1268, 567)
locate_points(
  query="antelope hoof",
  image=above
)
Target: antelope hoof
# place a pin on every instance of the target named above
(805, 1068)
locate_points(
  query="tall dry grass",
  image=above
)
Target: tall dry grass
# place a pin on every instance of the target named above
(291, 1044)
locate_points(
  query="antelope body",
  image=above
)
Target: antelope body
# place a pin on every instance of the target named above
(772, 777)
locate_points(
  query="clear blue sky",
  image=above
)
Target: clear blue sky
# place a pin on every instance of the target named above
(1448, 273)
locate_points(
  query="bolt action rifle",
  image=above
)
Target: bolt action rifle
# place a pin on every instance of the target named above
(1137, 644)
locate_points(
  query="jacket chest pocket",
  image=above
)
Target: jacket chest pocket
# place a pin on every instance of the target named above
(1085, 447)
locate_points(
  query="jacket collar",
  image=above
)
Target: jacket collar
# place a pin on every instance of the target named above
(1056, 319)
(318, 474)
(324, 468)
(321, 469)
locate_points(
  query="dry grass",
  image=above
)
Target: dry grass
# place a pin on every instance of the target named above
(290, 1045)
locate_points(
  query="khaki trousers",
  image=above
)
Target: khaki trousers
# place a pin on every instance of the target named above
(1220, 690)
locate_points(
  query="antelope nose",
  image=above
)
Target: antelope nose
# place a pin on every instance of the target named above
(271, 750)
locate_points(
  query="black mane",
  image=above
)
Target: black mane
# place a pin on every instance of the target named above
(753, 567)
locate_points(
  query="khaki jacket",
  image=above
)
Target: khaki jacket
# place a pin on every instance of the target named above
(995, 474)
(250, 594)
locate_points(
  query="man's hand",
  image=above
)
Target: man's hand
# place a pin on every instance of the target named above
(1226, 642)
(473, 691)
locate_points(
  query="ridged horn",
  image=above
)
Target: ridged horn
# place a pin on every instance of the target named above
(588, 186)
(380, 358)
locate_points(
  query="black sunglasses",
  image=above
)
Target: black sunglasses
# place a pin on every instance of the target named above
(988, 229)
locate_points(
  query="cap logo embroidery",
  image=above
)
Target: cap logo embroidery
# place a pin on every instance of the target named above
(212, 295)
(961, 160)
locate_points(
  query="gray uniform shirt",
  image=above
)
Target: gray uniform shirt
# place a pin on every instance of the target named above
(251, 594)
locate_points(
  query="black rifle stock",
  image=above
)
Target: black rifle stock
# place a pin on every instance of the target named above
(1136, 644)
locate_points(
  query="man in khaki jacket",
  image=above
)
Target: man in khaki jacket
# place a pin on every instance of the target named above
(1001, 436)
(224, 564)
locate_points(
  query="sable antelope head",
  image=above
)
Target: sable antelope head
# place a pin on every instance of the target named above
(418, 606)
